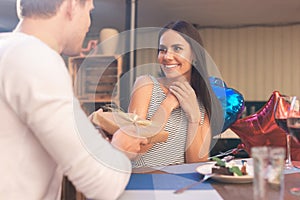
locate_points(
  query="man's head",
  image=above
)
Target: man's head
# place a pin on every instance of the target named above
(68, 21)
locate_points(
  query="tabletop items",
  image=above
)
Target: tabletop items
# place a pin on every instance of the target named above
(181, 190)
(268, 163)
(293, 119)
(231, 171)
(233, 151)
(281, 111)
(162, 185)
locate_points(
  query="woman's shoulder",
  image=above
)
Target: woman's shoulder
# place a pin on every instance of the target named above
(143, 78)
(143, 81)
(148, 82)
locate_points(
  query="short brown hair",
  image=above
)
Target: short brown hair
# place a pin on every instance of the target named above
(40, 8)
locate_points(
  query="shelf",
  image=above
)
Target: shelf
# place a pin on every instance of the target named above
(96, 78)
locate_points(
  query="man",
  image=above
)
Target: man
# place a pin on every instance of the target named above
(43, 132)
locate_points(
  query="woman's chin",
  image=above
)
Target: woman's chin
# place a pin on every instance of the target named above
(174, 78)
(172, 74)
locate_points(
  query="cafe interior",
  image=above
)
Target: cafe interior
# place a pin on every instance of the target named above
(254, 47)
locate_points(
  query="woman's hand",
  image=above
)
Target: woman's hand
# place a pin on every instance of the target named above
(171, 100)
(187, 99)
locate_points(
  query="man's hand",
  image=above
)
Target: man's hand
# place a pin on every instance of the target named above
(128, 143)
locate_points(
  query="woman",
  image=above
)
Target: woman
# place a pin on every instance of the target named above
(181, 101)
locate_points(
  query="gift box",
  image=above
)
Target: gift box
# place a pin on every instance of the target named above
(110, 122)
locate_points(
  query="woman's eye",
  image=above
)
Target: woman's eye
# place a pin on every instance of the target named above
(162, 50)
(178, 49)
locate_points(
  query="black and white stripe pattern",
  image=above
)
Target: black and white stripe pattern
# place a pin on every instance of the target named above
(172, 151)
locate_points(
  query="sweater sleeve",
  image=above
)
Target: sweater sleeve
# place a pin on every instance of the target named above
(39, 90)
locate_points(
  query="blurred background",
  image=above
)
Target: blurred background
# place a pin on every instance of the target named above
(255, 44)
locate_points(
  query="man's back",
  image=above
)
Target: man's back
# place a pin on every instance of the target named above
(39, 137)
(18, 144)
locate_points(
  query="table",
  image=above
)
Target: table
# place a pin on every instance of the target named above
(244, 191)
(161, 185)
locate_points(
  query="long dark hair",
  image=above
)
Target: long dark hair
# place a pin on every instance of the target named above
(199, 75)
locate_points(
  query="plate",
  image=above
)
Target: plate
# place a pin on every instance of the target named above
(206, 169)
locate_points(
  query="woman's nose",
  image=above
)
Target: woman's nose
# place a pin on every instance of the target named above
(169, 55)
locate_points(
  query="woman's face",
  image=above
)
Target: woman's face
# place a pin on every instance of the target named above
(175, 55)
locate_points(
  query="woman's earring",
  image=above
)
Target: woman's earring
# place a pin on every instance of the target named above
(194, 62)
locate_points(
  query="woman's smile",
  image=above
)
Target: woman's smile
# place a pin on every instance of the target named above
(170, 66)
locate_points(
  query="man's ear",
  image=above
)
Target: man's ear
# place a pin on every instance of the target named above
(70, 8)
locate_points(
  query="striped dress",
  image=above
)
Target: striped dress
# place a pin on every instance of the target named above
(173, 150)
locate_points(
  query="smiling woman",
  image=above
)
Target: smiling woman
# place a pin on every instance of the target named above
(181, 101)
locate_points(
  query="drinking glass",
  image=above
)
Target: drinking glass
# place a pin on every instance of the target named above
(293, 124)
(293, 120)
(268, 167)
(281, 114)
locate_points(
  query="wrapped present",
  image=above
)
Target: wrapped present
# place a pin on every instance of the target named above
(110, 122)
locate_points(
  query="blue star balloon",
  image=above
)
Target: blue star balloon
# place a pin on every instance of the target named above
(232, 101)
